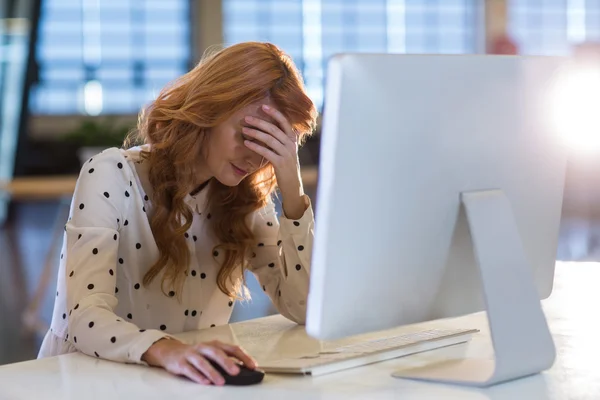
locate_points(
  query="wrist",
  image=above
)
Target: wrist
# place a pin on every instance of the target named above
(155, 352)
(294, 207)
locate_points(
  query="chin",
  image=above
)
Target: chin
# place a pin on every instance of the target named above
(230, 181)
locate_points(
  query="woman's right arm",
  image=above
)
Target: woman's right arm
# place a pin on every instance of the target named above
(92, 234)
(99, 205)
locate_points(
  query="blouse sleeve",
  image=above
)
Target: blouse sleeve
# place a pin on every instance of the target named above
(281, 259)
(99, 205)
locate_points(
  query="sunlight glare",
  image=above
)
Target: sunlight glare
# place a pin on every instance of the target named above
(576, 112)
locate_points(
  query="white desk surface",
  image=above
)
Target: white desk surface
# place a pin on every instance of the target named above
(572, 312)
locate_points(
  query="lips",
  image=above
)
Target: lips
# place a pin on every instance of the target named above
(239, 170)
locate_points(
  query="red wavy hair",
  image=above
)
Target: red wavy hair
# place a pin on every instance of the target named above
(176, 124)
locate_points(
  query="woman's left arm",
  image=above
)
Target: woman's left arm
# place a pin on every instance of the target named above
(282, 255)
(281, 259)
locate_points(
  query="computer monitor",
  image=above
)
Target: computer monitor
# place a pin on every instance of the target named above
(439, 194)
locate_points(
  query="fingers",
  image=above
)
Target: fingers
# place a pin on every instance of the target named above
(219, 356)
(191, 372)
(267, 139)
(282, 120)
(200, 364)
(238, 353)
(194, 362)
(263, 151)
(269, 128)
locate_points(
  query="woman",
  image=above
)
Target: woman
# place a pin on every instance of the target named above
(159, 234)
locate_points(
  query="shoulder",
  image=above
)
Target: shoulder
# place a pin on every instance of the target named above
(134, 154)
(102, 192)
(114, 160)
(112, 154)
(109, 165)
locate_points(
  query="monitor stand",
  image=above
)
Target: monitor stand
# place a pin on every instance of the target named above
(520, 336)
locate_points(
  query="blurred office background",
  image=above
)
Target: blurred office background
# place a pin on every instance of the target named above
(74, 74)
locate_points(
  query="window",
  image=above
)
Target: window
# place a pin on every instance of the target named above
(275, 21)
(310, 31)
(551, 27)
(108, 57)
(591, 19)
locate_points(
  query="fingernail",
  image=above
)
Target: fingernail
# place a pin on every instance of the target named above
(234, 369)
(266, 107)
(248, 119)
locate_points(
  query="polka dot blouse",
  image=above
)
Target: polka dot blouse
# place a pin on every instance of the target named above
(102, 307)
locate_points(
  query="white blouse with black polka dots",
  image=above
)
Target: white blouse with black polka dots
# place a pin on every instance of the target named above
(102, 307)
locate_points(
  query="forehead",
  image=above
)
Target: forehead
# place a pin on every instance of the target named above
(253, 110)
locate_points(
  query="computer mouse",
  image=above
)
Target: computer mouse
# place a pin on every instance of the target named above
(246, 376)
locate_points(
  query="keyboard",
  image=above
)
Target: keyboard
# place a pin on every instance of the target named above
(336, 358)
(394, 342)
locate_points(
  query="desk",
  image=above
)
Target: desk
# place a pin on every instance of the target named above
(40, 187)
(571, 311)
